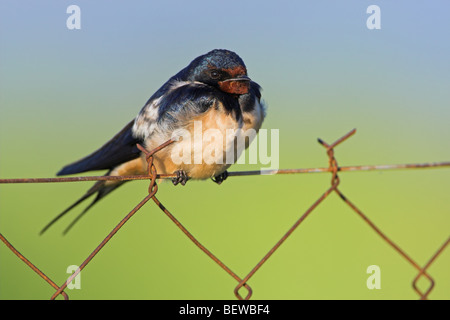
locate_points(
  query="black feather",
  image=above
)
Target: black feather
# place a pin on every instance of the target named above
(191, 100)
(99, 188)
(121, 148)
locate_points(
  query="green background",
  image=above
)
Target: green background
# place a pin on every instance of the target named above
(63, 93)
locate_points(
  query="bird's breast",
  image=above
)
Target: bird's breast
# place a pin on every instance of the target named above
(206, 145)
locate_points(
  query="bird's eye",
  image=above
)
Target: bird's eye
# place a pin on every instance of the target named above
(215, 74)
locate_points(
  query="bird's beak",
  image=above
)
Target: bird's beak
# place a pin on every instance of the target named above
(239, 78)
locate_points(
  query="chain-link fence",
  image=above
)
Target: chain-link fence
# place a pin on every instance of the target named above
(243, 289)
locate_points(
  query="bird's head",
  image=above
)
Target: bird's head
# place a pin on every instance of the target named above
(222, 69)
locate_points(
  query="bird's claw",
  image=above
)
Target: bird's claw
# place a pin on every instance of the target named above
(220, 178)
(181, 178)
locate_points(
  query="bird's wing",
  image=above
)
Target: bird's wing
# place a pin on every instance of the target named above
(183, 101)
(121, 148)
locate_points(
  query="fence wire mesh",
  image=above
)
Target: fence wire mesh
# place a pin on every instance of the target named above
(243, 290)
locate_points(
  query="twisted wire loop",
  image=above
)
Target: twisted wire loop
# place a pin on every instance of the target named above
(424, 295)
(393, 245)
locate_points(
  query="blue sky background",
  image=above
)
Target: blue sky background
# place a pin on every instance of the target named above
(315, 60)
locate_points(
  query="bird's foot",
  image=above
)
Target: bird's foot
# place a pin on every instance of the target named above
(220, 178)
(181, 177)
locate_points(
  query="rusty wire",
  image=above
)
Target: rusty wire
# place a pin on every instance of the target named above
(235, 173)
(153, 176)
(32, 266)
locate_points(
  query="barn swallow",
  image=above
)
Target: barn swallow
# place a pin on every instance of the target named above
(214, 90)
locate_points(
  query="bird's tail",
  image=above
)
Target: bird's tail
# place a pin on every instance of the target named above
(102, 188)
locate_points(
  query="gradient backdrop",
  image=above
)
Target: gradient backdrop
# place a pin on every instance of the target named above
(66, 92)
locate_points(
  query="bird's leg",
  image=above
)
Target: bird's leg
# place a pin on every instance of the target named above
(220, 178)
(181, 177)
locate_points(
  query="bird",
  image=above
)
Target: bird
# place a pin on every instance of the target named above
(212, 94)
